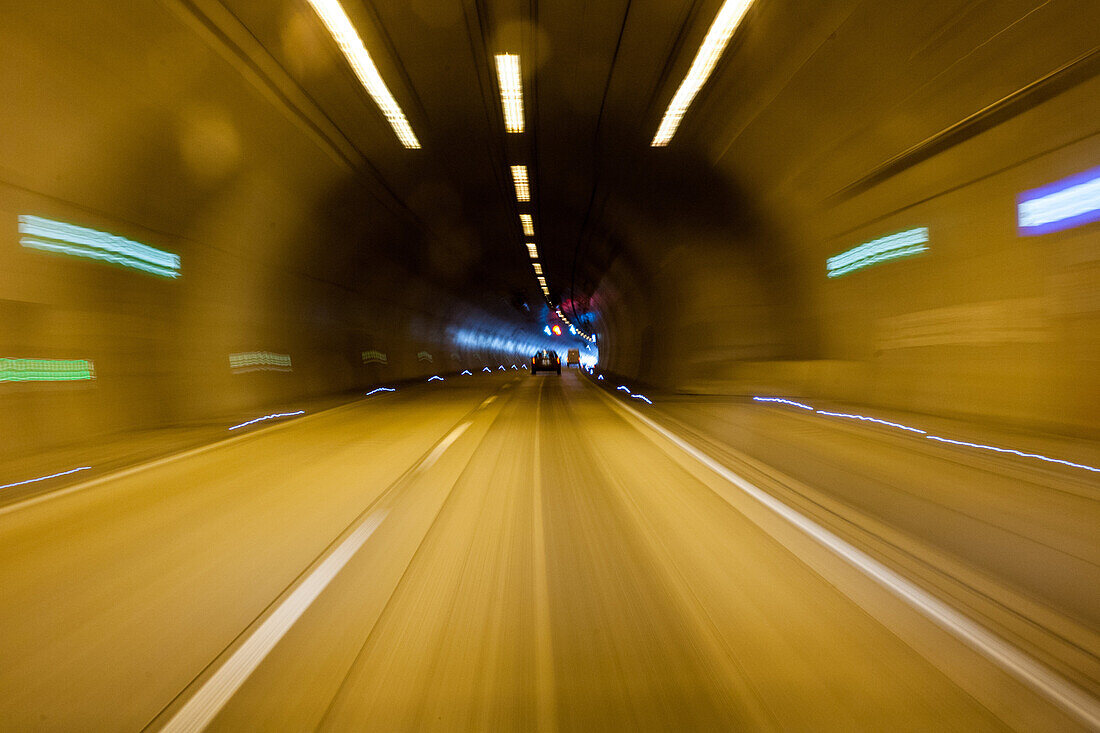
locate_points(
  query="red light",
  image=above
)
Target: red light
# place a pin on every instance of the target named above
(556, 329)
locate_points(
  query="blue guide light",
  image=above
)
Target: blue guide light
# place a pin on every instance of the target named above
(1064, 204)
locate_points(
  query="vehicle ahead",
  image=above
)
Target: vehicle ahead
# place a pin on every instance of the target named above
(546, 361)
(574, 358)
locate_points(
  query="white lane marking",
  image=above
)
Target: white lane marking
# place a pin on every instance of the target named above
(442, 447)
(488, 401)
(204, 705)
(544, 646)
(1045, 681)
(46, 478)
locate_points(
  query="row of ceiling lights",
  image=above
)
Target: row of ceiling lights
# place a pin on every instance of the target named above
(511, 97)
(511, 102)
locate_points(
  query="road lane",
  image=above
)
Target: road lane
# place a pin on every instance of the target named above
(666, 608)
(114, 598)
(543, 564)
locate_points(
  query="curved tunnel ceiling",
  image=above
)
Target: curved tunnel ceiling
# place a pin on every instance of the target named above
(238, 125)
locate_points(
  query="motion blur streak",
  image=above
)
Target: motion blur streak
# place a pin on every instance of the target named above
(338, 24)
(780, 400)
(1062, 205)
(382, 389)
(721, 30)
(892, 247)
(911, 429)
(57, 236)
(45, 478)
(870, 419)
(46, 370)
(272, 416)
(995, 449)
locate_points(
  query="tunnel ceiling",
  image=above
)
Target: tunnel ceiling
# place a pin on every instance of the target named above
(808, 99)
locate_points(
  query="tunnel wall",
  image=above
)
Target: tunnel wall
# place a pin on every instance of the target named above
(988, 324)
(129, 123)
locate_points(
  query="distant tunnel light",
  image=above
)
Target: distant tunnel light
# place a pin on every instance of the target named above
(70, 239)
(1065, 204)
(721, 30)
(542, 281)
(523, 188)
(532, 250)
(892, 247)
(528, 225)
(46, 370)
(511, 91)
(339, 25)
(538, 268)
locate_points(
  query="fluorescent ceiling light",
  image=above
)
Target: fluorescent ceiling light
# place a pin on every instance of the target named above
(339, 25)
(519, 177)
(511, 91)
(538, 268)
(528, 225)
(725, 23)
(542, 281)
(532, 250)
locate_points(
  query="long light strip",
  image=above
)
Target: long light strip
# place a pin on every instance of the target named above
(902, 244)
(721, 30)
(1064, 204)
(528, 225)
(511, 91)
(339, 25)
(57, 236)
(523, 188)
(46, 370)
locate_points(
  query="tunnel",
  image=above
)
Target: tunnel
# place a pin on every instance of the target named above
(606, 365)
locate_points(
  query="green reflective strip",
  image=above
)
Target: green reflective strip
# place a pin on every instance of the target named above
(46, 370)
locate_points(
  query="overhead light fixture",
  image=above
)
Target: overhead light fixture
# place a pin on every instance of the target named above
(511, 91)
(538, 268)
(519, 178)
(528, 225)
(532, 250)
(542, 281)
(725, 23)
(339, 25)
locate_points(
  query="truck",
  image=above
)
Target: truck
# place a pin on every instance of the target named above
(574, 358)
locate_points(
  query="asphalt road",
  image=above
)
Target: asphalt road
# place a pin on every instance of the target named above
(486, 553)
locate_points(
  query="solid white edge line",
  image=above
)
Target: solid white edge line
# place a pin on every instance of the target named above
(1019, 664)
(201, 709)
